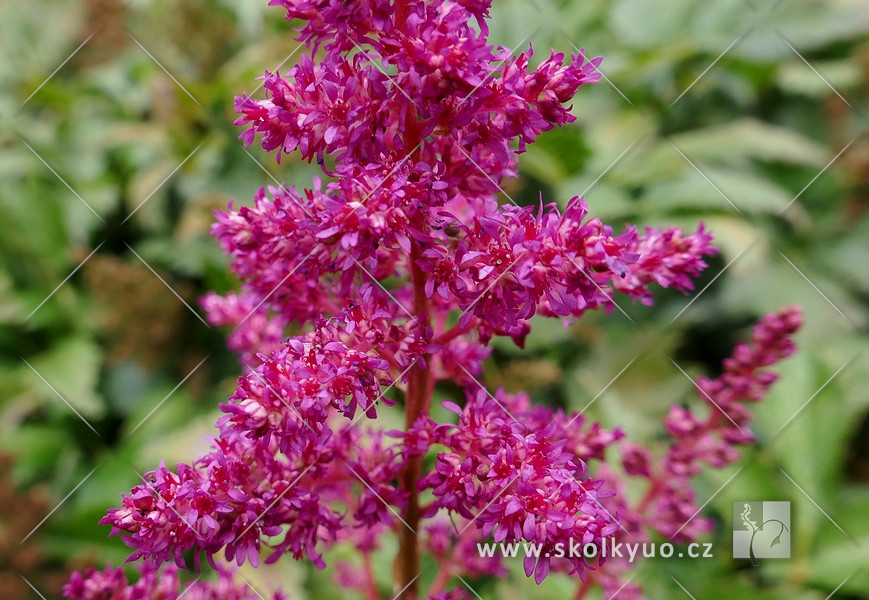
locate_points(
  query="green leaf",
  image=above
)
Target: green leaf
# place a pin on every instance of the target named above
(804, 410)
(649, 24)
(72, 367)
(717, 189)
(796, 78)
(733, 143)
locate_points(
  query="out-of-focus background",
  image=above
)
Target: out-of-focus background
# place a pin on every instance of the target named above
(117, 143)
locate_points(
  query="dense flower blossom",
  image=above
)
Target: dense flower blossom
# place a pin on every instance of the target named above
(669, 507)
(508, 263)
(279, 456)
(713, 440)
(393, 273)
(519, 471)
(254, 331)
(112, 584)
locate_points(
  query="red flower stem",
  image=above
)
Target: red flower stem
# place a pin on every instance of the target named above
(419, 387)
(402, 10)
(440, 582)
(452, 564)
(453, 333)
(583, 588)
(371, 584)
(714, 419)
(654, 489)
(389, 356)
(417, 402)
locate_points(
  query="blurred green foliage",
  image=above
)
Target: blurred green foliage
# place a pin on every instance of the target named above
(747, 115)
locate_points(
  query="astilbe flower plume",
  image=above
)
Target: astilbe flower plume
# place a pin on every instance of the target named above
(112, 584)
(398, 268)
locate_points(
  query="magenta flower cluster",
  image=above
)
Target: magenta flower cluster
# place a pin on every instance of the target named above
(393, 275)
(112, 584)
(669, 507)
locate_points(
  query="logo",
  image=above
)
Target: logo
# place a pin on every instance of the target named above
(761, 530)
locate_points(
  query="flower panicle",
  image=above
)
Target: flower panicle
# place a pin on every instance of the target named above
(394, 272)
(112, 584)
